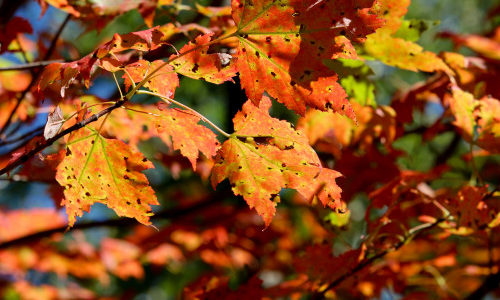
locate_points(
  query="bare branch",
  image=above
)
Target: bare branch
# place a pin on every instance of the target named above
(176, 213)
(29, 66)
(39, 147)
(368, 261)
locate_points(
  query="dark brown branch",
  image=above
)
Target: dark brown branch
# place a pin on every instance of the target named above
(29, 66)
(173, 214)
(368, 261)
(34, 78)
(34, 132)
(39, 147)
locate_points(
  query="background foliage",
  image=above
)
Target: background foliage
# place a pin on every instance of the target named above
(419, 211)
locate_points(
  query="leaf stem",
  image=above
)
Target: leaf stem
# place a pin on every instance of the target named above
(117, 85)
(202, 117)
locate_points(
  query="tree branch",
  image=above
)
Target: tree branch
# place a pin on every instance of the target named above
(368, 261)
(28, 66)
(32, 133)
(173, 214)
(39, 147)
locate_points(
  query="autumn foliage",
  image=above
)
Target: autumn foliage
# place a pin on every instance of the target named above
(246, 152)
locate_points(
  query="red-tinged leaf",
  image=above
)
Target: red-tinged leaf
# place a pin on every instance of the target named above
(107, 171)
(178, 129)
(282, 46)
(186, 134)
(265, 155)
(320, 264)
(59, 76)
(64, 5)
(164, 254)
(18, 223)
(470, 209)
(396, 51)
(122, 258)
(15, 26)
(102, 11)
(487, 47)
(198, 64)
(163, 82)
(478, 120)
(145, 40)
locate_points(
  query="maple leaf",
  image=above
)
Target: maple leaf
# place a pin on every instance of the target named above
(99, 12)
(163, 82)
(265, 155)
(399, 52)
(486, 47)
(59, 76)
(15, 26)
(470, 209)
(108, 171)
(282, 45)
(318, 261)
(198, 64)
(187, 135)
(145, 40)
(478, 120)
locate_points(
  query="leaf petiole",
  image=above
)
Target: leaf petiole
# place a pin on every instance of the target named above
(170, 100)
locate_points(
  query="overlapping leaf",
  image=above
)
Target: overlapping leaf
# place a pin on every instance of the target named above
(163, 82)
(198, 64)
(103, 11)
(57, 77)
(265, 155)
(395, 51)
(108, 171)
(282, 45)
(479, 120)
(187, 135)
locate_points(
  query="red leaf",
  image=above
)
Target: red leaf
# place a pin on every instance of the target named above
(282, 47)
(198, 64)
(265, 155)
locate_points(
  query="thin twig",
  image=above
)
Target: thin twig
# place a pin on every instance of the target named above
(175, 213)
(202, 117)
(368, 261)
(39, 147)
(29, 66)
(35, 131)
(35, 77)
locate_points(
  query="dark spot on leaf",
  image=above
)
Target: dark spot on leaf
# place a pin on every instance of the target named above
(125, 177)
